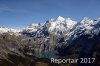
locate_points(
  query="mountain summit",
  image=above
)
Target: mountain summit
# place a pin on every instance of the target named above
(60, 18)
(61, 24)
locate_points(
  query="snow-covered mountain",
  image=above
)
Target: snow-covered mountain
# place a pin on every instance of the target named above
(86, 27)
(31, 27)
(2, 30)
(59, 33)
(60, 24)
(10, 31)
(62, 31)
(57, 38)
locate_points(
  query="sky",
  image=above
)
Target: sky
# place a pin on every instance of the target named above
(19, 13)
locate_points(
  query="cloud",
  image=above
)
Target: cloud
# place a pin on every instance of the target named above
(5, 9)
(13, 10)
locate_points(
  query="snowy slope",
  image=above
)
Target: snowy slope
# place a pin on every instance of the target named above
(31, 28)
(4, 30)
(86, 27)
(60, 24)
(10, 31)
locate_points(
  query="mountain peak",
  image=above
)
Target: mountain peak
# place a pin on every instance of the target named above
(98, 19)
(60, 18)
(69, 20)
(87, 20)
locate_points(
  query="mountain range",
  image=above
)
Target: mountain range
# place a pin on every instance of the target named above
(63, 29)
(59, 26)
(59, 37)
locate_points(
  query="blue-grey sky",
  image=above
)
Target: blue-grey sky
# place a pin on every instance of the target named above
(18, 13)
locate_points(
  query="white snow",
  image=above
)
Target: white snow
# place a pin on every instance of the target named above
(59, 18)
(10, 31)
(61, 24)
(86, 26)
(70, 23)
(31, 27)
